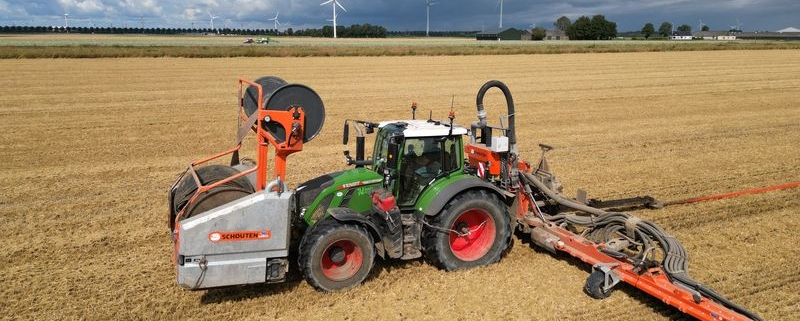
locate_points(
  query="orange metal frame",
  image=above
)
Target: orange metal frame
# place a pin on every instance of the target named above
(735, 194)
(653, 281)
(292, 121)
(480, 154)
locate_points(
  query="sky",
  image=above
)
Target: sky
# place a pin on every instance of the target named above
(400, 15)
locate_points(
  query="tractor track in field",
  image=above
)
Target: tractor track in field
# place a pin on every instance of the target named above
(688, 216)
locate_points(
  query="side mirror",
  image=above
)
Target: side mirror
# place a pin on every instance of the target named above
(393, 152)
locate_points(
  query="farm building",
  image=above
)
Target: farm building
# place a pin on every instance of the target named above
(555, 34)
(500, 34)
(714, 35)
(768, 35)
(790, 29)
(680, 35)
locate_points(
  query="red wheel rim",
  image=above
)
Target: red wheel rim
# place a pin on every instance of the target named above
(472, 235)
(341, 260)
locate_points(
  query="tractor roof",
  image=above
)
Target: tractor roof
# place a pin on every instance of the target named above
(425, 128)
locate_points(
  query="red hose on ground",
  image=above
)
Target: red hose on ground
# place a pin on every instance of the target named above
(734, 194)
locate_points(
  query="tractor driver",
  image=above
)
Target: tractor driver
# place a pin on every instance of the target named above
(428, 164)
(420, 167)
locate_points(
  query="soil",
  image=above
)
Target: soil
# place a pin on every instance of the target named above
(90, 147)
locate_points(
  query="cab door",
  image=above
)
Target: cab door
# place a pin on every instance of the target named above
(422, 161)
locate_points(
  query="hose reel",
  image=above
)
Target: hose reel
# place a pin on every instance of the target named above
(280, 95)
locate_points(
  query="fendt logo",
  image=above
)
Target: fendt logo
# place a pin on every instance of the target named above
(235, 236)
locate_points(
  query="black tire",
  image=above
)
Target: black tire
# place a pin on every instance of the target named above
(594, 286)
(335, 256)
(477, 211)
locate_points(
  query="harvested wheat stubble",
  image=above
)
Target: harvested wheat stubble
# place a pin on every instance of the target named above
(89, 148)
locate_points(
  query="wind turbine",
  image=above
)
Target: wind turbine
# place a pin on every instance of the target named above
(702, 24)
(275, 21)
(212, 19)
(501, 14)
(738, 26)
(66, 22)
(428, 17)
(335, 3)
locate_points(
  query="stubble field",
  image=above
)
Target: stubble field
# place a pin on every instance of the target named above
(89, 147)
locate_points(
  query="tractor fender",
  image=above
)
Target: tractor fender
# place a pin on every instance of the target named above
(346, 215)
(450, 191)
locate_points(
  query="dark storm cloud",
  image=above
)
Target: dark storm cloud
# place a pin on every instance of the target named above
(404, 15)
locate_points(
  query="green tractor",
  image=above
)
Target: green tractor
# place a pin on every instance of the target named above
(416, 196)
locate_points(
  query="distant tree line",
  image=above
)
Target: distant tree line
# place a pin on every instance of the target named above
(421, 33)
(594, 28)
(584, 28)
(134, 30)
(353, 31)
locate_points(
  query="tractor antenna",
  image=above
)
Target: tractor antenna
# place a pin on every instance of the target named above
(452, 102)
(451, 115)
(414, 110)
(430, 116)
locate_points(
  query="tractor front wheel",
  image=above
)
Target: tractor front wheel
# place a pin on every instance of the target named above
(335, 256)
(473, 230)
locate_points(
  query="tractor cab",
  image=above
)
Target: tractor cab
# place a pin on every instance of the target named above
(413, 154)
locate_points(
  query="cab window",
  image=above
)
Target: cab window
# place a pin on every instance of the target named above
(424, 159)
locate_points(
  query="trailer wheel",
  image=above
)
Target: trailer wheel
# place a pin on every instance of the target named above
(473, 230)
(594, 286)
(335, 256)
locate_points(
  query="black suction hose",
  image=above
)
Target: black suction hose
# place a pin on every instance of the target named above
(511, 133)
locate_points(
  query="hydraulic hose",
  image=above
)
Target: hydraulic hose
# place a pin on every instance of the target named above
(676, 258)
(558, 198)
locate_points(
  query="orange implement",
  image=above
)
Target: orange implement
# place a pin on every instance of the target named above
(735, 194)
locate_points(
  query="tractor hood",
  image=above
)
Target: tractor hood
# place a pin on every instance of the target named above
(349, 188)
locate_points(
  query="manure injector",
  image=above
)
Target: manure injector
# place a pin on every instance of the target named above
(432, 189)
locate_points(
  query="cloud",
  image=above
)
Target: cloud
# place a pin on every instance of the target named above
(82, 6)
(192, 13)
(140, 7)
(410, 14)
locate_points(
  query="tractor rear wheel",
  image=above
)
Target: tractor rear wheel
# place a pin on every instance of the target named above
(473, 230)
(335, 256)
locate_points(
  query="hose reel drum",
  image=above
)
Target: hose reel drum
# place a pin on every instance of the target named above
(280, 95)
